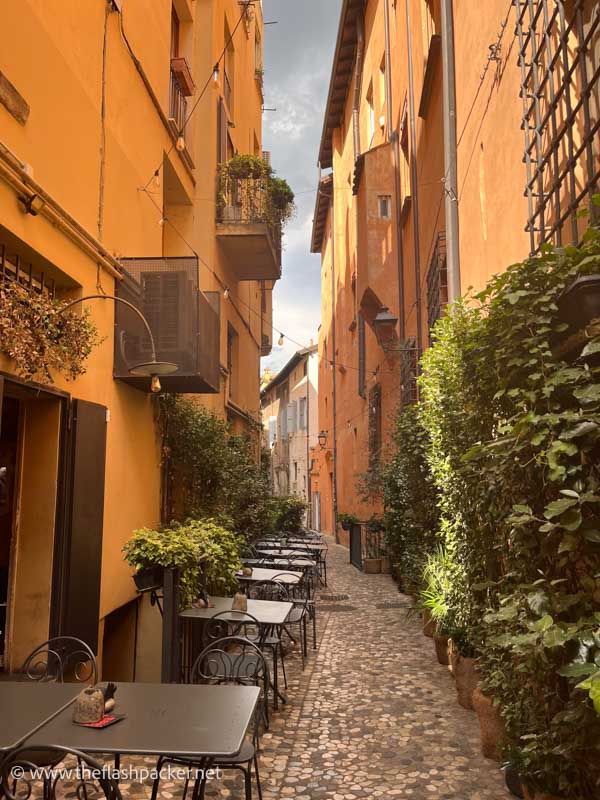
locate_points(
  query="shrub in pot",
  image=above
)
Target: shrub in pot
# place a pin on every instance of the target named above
(440, 641)
(463, 662)
(429, 623)
(491, 724)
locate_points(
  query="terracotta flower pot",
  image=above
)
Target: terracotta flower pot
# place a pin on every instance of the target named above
(466, 680)
(533, 794)
(428, 624)
(491, 724)
(441, 649)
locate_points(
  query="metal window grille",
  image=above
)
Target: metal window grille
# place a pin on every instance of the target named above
(437, 283)
(559, 57)
(12, 268)
(409, 370)
(362, 372)
(374, 425)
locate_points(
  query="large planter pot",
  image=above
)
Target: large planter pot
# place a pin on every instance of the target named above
(372, 566)
(428, 624)
(465, 675)
(149, 578)
(491, 724)
(533, 794)
(441, 649)
(386, 565)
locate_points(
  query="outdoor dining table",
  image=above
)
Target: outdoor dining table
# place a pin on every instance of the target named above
(163, 719)
(265, 612)
(261, 574)
(26, 706)
(279, 562)
(289, 550)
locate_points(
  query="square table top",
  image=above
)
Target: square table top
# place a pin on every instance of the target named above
(267, 612)
(279, 562)
(26, 706)
(292, 547)
(262, 574)
(163, 719)
(284, 551)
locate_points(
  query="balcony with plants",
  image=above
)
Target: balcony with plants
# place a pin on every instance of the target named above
(253, 205)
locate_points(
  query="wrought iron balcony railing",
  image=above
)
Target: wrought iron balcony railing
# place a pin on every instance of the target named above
(177, 105)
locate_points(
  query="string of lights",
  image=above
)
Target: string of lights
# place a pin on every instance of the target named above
(179, 143)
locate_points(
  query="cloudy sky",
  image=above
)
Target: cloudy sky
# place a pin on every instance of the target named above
(298, 56)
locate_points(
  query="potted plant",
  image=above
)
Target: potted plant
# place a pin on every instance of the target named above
(348, 520)
(463, 663)
(491, 724)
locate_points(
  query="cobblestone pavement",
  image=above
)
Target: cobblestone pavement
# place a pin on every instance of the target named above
(372, 716)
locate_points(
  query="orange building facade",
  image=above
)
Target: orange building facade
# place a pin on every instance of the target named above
(445, 157)
(113, 123)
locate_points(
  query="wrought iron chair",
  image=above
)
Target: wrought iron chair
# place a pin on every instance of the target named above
(25, 758)
(63, 658)
(230, 660)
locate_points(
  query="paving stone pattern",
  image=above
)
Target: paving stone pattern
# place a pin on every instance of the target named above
(373, 715)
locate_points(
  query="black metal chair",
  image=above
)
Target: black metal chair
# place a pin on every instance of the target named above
(27, 759)
(230, 660)
(61, 659)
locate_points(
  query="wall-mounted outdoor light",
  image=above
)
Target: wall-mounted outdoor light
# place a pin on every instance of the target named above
(150, 369)
(32, 204)
(322, 439)
(384, 326)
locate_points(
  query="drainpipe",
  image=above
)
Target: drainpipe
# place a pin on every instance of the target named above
(360, 48)
(394, 139)
(414, 177)
(334, 368)
(450, 148)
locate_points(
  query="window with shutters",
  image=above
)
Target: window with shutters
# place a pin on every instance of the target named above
(283, 422)
(559, 57)
(374, 426)
(361, 356)
(292, 422)
(302, 413)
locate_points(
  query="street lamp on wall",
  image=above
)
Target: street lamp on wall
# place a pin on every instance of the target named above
(322, 439)
(384, 326)
(150, 369)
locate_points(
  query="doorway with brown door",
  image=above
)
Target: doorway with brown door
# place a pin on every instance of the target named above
(9, 441)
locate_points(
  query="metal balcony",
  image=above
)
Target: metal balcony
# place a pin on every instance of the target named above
(248, 237)
(184, 323)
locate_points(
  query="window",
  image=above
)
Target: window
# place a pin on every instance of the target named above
(409, 361)
(295, 470)
(174, 33)
(437, 283)
(232, 359)
(404, 164)
(284, 422)
(560, 86)
(302, 414)
(292, 421)
(374, 426)
(428, 26)
(258, 51)
(384, 202)
(382, 83)
(361, 356)
(272, 430)
(371, 116)
(228, 70)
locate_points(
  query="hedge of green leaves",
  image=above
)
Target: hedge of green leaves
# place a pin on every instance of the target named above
(512, 447)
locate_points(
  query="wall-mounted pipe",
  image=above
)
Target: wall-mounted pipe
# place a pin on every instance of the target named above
(414, 179)
(13, 172)
(394, 139)
(450, 150)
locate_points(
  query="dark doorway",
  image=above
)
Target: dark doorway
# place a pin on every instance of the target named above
(9, 440)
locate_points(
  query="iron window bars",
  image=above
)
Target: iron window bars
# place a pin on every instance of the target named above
(13, 269)
(559, 45)
(437, 283)
(409, 370)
